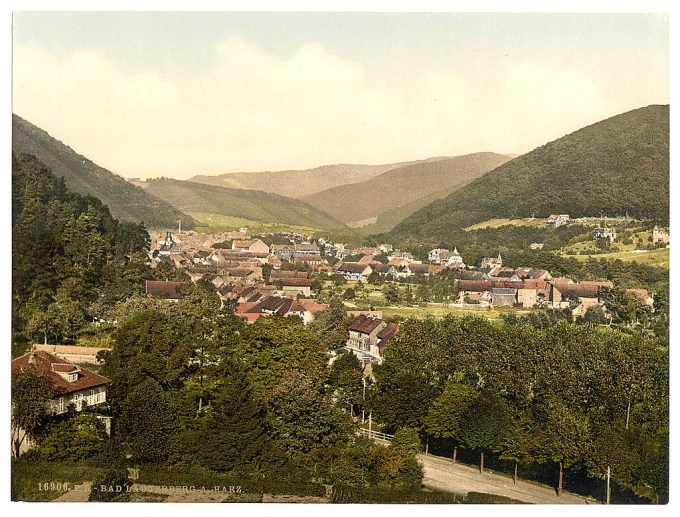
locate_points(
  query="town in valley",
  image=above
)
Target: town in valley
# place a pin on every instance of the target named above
(317, 266)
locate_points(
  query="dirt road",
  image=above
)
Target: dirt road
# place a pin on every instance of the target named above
(441, 474)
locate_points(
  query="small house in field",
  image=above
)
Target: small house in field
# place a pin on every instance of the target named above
(555, 221)
(604, 233)
(354, 271)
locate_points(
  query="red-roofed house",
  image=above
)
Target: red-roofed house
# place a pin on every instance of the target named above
(70, 386)
(295, 286)
(279, 306)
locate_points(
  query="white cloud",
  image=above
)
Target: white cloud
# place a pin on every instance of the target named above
(255, 111)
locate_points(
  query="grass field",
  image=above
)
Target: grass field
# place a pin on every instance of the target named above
(420, 312)
(372, 297)
(657, 258)
(213, 223)
(497, 223)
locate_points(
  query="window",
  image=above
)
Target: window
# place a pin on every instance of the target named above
(72, 377)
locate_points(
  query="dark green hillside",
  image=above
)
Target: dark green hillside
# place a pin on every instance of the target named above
(401, 186)
(71, 260)
(81, 175)
(612, 167)
(248, 204)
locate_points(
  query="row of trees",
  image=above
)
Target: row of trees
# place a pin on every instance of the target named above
(577, 396)
(193, 387)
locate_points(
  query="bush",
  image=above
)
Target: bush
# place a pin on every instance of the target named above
(410, 474)
(407, 442)
(72, 438)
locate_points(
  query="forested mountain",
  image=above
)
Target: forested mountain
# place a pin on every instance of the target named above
(70, 257)
(401, 186)
(300, 183)
(616, 166)
(126, 201)
(248, 204)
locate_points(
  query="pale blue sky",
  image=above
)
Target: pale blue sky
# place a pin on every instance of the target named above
(445, 73)
(177, 43)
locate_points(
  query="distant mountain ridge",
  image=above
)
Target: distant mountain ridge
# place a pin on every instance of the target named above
(402, 186)
(256, 205)
(300, 183)
(616, 166)
(124, 200)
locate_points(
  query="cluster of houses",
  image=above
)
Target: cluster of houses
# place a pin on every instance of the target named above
(498, 286)
(237, 272)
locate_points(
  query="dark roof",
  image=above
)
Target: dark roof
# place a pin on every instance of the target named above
(389, 330)
(307, 257)
(475, 285)
(246, 292)
(365, 324)
(581, 289)
(276, 304)
(47, 365)
(386, 334)
(382, 268)
(295, 282)
(471, 275)
(504, 273)
(203, 269)
(240, 272)
(419, 268)
(166, 290)
(352, 267)
(287, 274)
(225, 289)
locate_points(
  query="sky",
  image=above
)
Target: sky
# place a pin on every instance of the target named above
(178, 94)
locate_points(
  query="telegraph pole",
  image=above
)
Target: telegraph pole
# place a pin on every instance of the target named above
(609, 488)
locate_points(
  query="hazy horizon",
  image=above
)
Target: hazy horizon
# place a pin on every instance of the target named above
(180, 94)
